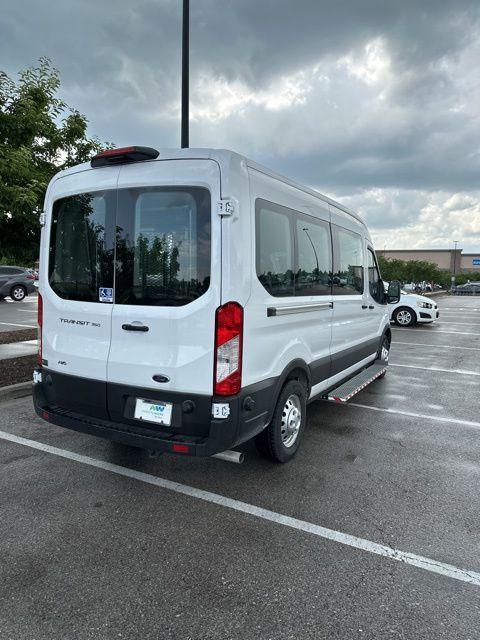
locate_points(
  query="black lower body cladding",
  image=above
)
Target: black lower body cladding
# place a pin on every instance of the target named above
(107, 410)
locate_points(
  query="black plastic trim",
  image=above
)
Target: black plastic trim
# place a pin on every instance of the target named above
(349, 357)
(106, 410)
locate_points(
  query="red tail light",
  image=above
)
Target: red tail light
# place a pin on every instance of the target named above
(30, 276)
(40, 327)
(180, 448)
(228, 349)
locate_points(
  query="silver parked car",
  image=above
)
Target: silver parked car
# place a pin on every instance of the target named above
(16, 282)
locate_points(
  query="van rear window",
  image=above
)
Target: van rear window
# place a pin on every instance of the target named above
(163, 246)
(80, 260)
(150, 245)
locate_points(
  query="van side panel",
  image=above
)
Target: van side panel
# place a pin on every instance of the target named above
(273, 342)
(352, 339)
(236, 234)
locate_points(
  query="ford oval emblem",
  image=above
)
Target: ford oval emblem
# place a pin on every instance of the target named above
(159, 377)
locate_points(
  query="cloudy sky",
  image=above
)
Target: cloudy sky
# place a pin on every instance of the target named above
(373, 102)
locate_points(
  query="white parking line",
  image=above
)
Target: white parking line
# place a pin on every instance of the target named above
(460, 371)
(411, 414)
(412, 559)
(12, 324)
(470, 324)
(436, 346)
(435, 330)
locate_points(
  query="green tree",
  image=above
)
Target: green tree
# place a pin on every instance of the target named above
(39, 136)
(417, 271)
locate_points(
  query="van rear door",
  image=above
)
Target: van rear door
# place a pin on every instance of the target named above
(167, 283)
(76, 284)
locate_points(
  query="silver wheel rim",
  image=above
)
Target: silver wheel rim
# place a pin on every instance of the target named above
(291, 420)
(18, 294)
(404, 317)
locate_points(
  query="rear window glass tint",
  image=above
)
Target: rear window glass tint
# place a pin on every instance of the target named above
(80, 261)
(163, 245)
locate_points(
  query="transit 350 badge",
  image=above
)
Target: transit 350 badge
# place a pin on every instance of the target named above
(105, 294)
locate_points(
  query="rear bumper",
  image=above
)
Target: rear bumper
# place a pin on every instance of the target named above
(193, 432)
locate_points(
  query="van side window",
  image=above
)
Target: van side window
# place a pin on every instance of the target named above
(314, 261)
(80, 261)
(348, 262)
(274, 241)
(375, 283)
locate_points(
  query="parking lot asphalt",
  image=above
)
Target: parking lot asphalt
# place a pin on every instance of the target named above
(92, 550)
(18, 315)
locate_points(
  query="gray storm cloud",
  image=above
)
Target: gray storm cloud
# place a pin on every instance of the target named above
(376, 103)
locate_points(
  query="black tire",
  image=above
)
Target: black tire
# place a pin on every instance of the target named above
(404, 317)
(273, 441)
(18, 293)
(381, 355)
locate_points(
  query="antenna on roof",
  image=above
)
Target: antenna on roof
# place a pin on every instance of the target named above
(185, 71)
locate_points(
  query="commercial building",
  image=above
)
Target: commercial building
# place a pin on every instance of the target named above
(447, 259)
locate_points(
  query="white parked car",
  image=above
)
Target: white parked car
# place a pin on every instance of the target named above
(412, 309)
(191, 300)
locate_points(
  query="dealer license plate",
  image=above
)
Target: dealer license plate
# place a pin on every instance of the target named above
(158, 412)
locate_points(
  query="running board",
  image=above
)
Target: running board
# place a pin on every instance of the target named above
(350, 388)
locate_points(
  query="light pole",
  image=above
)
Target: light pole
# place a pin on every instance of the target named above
(185, 72)
(455, 242)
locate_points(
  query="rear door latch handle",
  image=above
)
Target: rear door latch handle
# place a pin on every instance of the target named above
(371, 306)
(134, 327)
(364, 306)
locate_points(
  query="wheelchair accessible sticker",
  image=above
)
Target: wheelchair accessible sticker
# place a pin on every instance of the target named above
(105, 294)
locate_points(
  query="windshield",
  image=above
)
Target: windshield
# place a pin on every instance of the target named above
(148, 246)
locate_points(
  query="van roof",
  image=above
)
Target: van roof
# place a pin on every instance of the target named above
(225, 159)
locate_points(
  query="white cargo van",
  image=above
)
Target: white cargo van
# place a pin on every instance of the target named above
(191, 300)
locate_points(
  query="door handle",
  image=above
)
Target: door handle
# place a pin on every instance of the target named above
(134, 327)
(371, 306)
(364, 306)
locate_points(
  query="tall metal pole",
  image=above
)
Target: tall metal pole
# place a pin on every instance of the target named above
(185, 71)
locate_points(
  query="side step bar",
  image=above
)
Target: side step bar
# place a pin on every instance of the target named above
(350, 388)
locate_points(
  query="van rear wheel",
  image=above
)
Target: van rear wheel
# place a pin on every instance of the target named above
(280, 440)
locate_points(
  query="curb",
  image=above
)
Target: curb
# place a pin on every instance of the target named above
(14, 391)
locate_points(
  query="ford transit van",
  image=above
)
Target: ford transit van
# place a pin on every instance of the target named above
(190, 300)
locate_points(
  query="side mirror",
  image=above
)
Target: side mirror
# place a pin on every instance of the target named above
(393, 293)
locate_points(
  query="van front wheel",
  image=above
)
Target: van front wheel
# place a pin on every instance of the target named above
(280, 440)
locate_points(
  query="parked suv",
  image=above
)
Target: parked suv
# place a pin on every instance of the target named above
(16, 282)
(191, 300)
